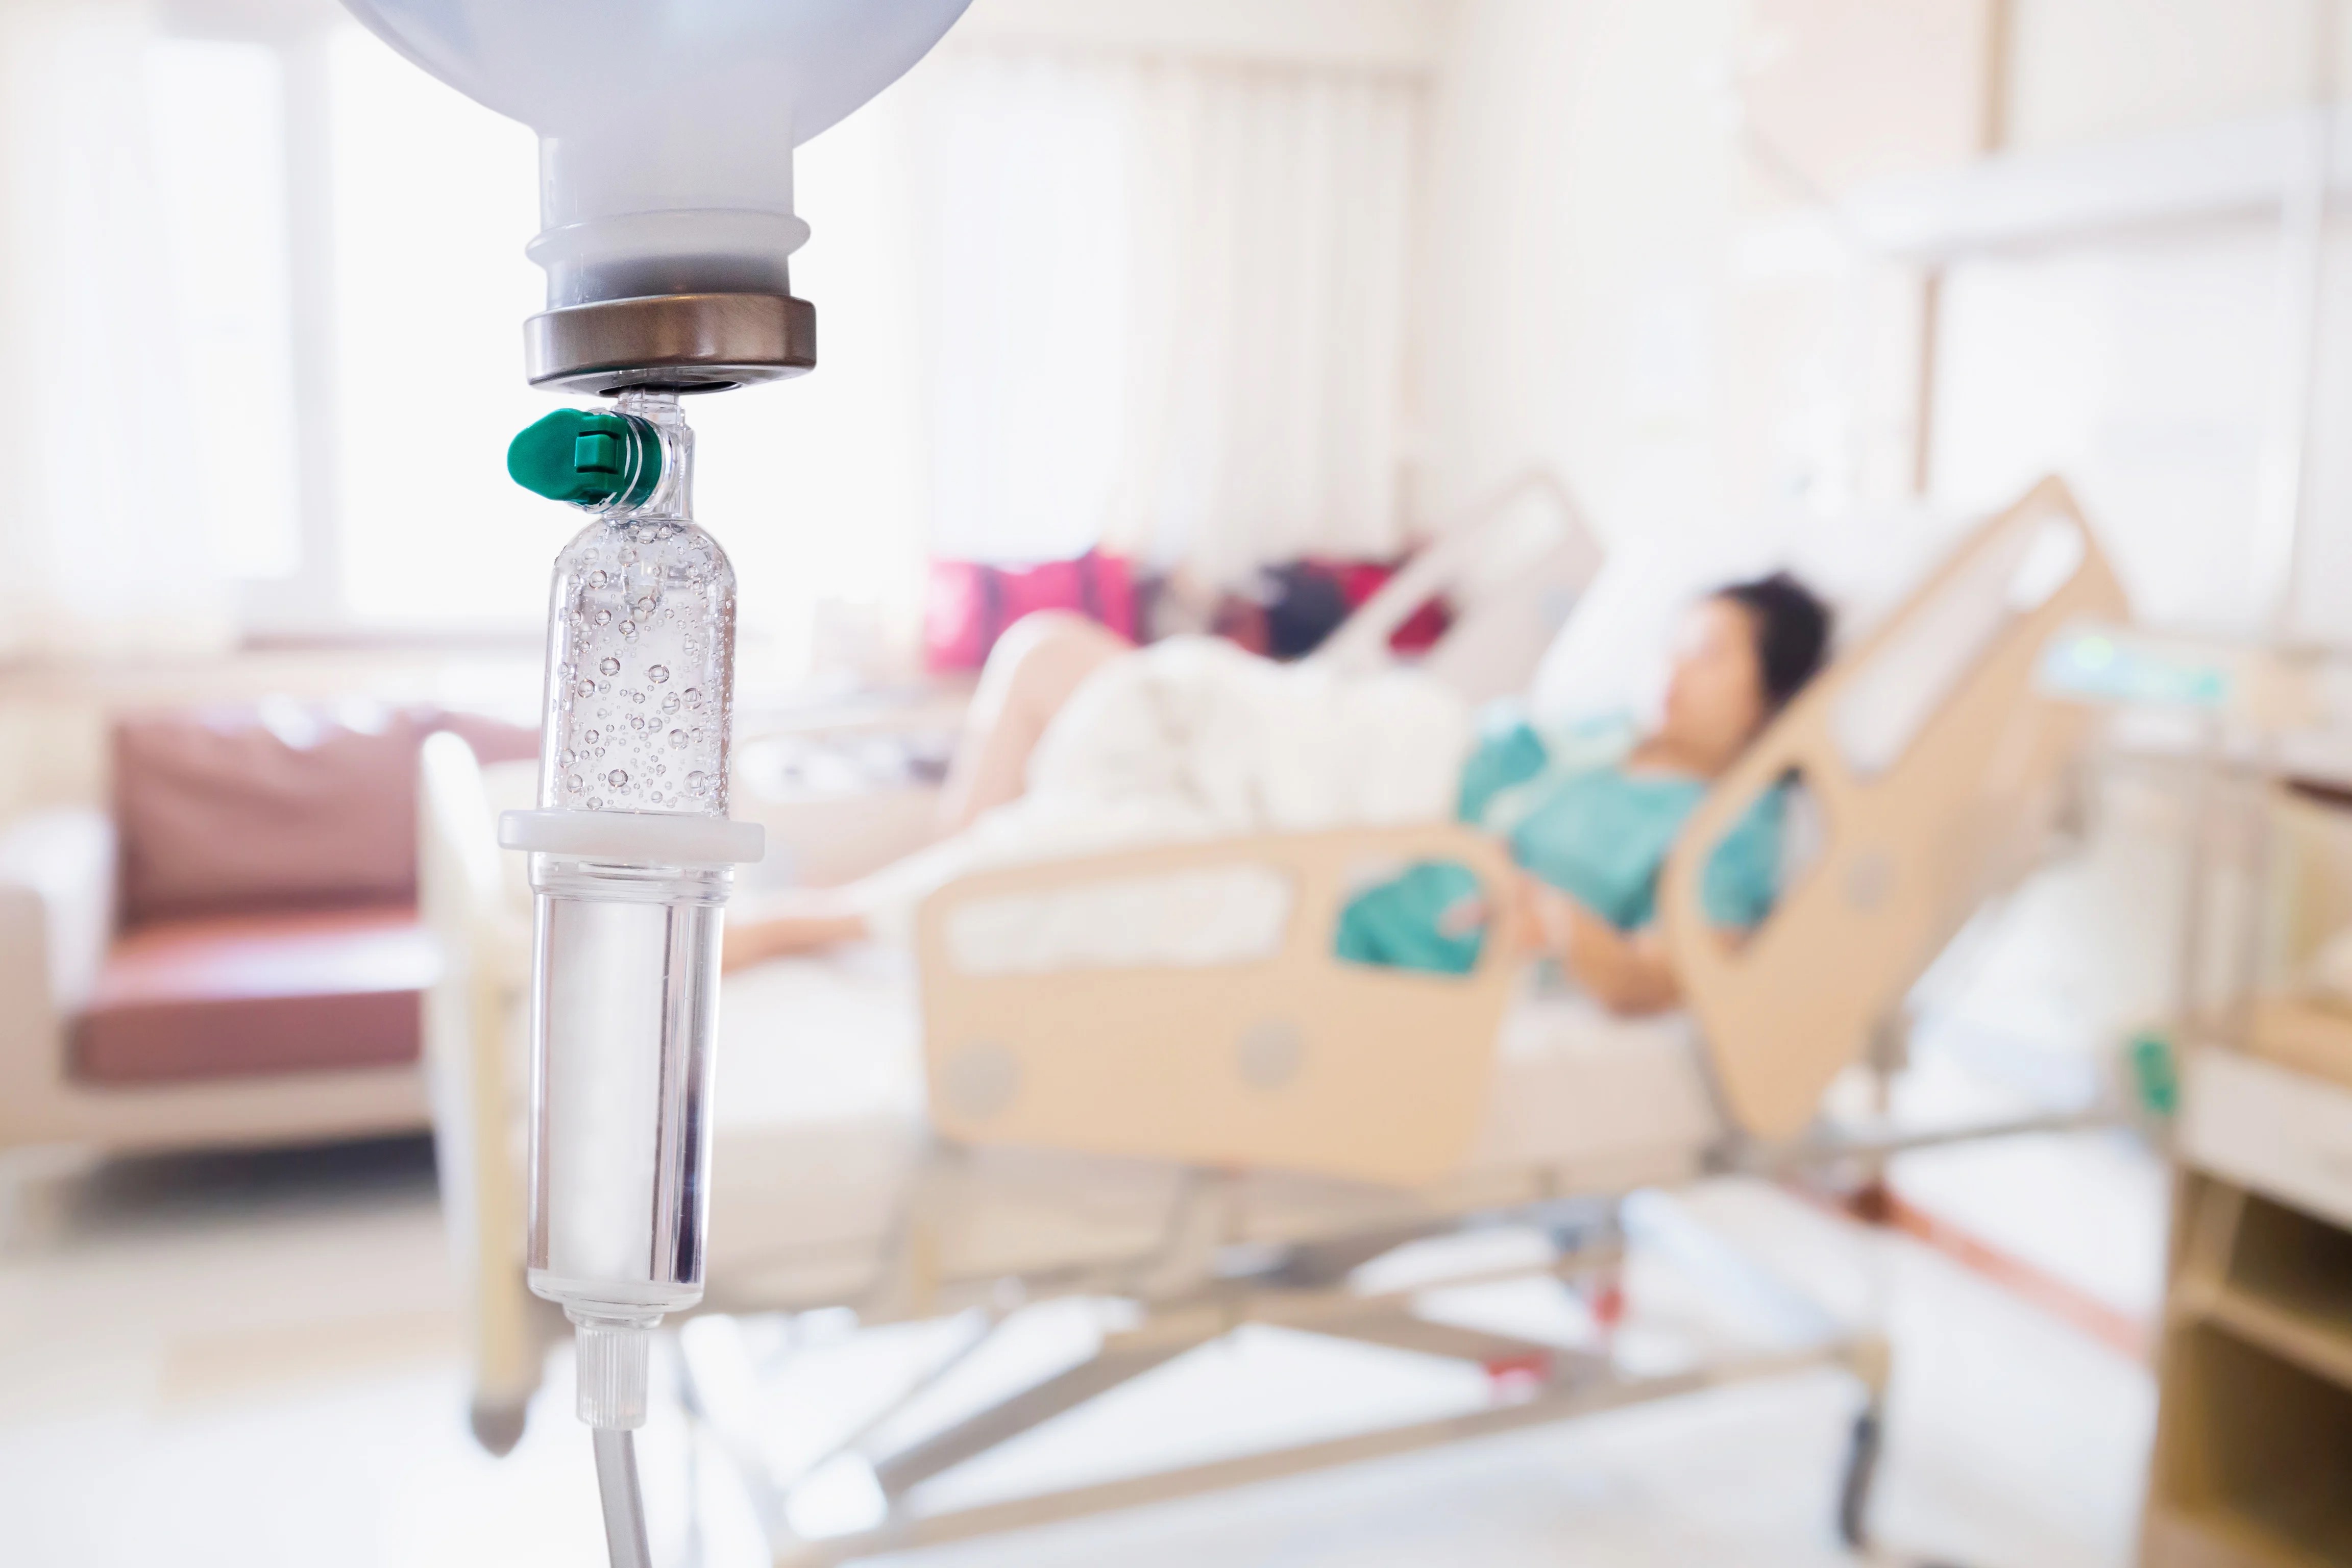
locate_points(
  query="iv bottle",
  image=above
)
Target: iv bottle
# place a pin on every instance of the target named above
(631, 857)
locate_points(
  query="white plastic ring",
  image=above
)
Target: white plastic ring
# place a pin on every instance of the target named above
(639, 838)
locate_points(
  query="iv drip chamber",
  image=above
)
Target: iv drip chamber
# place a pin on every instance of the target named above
(631, 857)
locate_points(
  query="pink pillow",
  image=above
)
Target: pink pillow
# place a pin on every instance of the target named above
(278, 805)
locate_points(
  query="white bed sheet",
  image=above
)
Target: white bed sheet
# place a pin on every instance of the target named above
(823, 1159)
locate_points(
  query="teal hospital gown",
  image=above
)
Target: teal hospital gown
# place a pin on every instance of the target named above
(1574, 816)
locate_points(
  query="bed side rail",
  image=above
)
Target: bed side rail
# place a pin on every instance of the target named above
(1514, 564)
(1279, 1055)
(1936, 771)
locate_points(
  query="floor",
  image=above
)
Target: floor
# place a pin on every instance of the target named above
(258, 1361)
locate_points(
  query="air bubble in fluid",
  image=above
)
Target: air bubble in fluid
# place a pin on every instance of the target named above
(658, 673)
(677, 739)
(611, 666)
(575, 782)
(618, 779)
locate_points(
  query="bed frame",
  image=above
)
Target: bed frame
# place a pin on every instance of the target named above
(1233, 1072)
(1935, 775)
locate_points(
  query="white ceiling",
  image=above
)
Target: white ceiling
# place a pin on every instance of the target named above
(1402, 35)
(1396, 34)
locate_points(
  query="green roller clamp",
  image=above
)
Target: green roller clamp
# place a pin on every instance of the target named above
(588, 459)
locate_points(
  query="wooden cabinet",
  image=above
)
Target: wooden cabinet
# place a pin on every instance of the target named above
(2253, 1453)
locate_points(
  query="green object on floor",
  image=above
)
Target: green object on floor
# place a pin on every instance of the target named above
(2154, 1072)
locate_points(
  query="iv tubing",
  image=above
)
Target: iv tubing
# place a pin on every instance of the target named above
(625, 1504)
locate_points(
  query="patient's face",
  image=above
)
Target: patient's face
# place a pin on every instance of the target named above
(1714, 696)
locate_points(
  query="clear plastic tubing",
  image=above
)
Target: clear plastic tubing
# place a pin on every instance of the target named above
(631, 855)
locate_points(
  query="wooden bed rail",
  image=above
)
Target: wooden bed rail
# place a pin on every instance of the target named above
(1294, 1060)
(1928, 807)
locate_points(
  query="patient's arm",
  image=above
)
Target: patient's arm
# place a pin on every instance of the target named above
(1625, 972)
(798, 920)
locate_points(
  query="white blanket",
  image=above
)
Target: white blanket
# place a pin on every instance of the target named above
(1193, 739)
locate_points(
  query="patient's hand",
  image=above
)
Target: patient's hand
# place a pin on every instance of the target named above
(1548, 916)
(1625, 972)
(1462, 917)
(800, 921)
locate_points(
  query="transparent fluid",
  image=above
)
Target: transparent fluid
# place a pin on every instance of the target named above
(627, 1010)
(640, 655)
(639, 699)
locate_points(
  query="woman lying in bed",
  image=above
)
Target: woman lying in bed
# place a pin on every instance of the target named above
(1080, 744)
(1591, 814)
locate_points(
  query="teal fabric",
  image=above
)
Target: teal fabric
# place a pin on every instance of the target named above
(1396, 924)
(1505, 759)
(1574, 816)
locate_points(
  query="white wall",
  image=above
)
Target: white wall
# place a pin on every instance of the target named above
(1593, 294)
(1612, 283)
(1581, 199)
(2083, 70)
(2151, 369)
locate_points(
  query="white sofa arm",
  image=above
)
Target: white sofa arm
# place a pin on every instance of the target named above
(57, 901)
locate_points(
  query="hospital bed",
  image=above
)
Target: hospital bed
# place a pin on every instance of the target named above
(1218, 1122)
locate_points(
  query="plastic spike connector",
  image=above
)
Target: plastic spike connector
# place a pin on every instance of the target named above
(587, 458)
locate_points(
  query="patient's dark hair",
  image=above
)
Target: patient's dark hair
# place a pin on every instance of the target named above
(1792, 631)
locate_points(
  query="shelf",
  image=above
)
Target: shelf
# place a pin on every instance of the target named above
(2320, 1345)
(2287, 1286)
(2181, 1538)
(2271, 1130)
(2253, 1451)
(2304, 1035)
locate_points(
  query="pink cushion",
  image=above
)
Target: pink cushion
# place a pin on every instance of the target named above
(278, 806)
(229, 994)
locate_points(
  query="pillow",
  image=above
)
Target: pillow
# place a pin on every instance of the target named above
(1611, 657)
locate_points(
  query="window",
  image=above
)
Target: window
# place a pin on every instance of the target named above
(433, 197)
(1063, 299)
(218, 114)
(345, 254)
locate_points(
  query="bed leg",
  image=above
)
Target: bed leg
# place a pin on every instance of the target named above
(1600, 1281)
(1863, 1444)
(1871, 1360)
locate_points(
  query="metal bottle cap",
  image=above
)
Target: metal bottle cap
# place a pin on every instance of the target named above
(673, 342)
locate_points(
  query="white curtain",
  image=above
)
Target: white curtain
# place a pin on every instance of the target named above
(104, 557)
(1166, 302)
